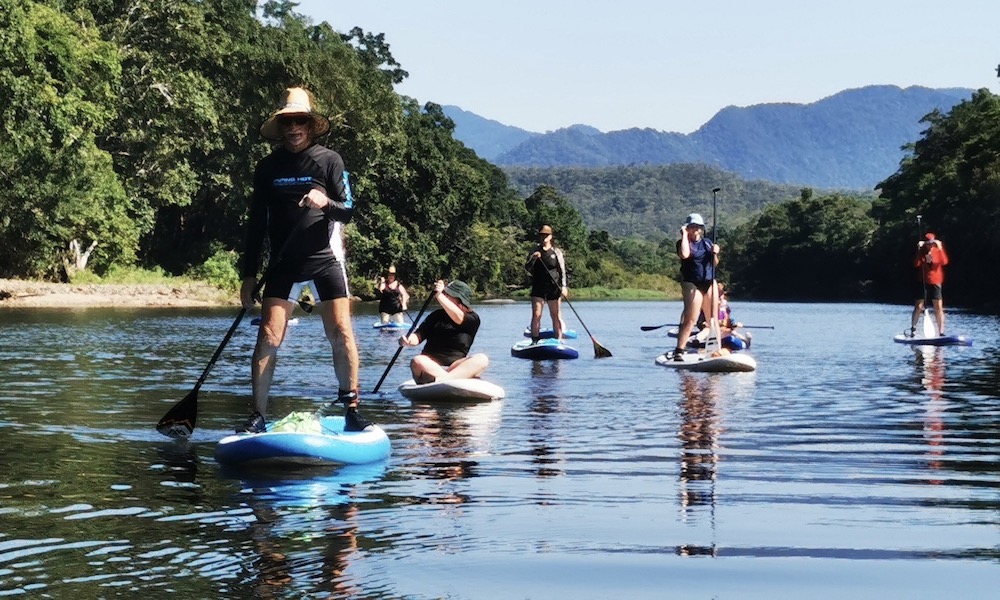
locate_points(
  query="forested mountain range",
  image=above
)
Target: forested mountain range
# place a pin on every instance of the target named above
(651, 201)
(851, 140)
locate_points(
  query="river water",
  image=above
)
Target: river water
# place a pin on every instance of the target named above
(845, 466)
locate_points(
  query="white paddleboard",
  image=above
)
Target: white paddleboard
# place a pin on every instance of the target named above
(452, 390)
(939, 340)
(726, 363)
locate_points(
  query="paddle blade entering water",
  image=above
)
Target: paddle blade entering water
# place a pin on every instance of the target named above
(929, 329)
(180, 420)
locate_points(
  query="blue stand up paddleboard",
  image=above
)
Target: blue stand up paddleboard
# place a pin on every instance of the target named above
(545, 334)
(321, 441)
(543, 350)
(939, 340)
(390, 326)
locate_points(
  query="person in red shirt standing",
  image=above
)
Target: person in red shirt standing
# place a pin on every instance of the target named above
(931, 260)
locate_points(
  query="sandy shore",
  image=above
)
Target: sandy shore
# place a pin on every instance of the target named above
(24, 293)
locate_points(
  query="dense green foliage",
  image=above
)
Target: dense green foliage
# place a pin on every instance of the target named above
(815, 247)
(951, 177)
(650, 202)
(58, 82)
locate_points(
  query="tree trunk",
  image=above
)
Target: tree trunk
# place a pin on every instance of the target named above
(75, 260)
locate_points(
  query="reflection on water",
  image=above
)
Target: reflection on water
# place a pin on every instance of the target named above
(845, 457)
(544, 403)
(931, 361)
(699, 440)
(304, 528)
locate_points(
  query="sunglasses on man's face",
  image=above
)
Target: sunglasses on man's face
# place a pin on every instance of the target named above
(289, 121)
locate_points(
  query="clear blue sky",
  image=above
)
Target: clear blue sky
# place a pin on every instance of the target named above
(668, 65)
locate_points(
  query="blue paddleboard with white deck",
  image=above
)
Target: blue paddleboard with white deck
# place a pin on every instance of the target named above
(546, 349)
(330, 445)
(569, 334)
(939, 340)
(391, 325)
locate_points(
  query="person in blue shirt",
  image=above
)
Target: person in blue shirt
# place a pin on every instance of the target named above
(699, 257)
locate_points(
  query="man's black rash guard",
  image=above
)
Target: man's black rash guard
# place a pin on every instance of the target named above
(281, 179)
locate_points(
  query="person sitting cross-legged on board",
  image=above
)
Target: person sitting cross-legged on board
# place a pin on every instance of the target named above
(448, 333)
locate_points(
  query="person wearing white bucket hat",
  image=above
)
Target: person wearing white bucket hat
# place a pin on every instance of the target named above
(301, 201)
(699, 257)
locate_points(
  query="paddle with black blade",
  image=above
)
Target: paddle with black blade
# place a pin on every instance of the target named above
(599, 350)
(413, 327)
(180, 420)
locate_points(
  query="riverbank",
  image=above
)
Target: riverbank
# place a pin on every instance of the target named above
(43, 294)
(185, 294)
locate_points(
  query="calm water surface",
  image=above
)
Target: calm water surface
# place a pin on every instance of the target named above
(846, 466)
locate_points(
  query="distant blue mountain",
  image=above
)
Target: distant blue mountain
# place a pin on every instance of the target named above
(850, 140)
(487, 137)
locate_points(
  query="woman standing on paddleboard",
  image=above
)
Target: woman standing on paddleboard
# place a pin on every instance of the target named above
(548, 283)
(699, 257)
(393, 299)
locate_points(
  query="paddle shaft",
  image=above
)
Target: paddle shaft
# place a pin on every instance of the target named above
(654, 327)
(714, 321)
(180, 420)
(413, 327)
(599, 350)
(923, 264)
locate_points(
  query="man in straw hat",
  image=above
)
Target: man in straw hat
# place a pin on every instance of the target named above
(301, 201)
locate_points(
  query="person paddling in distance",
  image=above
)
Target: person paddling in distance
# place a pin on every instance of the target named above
(448, 333)
(393, 299)
(930, 259)
(301, 201)
(699, 257)
(547, 267)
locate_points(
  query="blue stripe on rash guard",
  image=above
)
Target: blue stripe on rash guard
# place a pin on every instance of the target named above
(349, 202)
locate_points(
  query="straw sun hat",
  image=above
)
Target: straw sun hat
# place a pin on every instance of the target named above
(294, 101)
